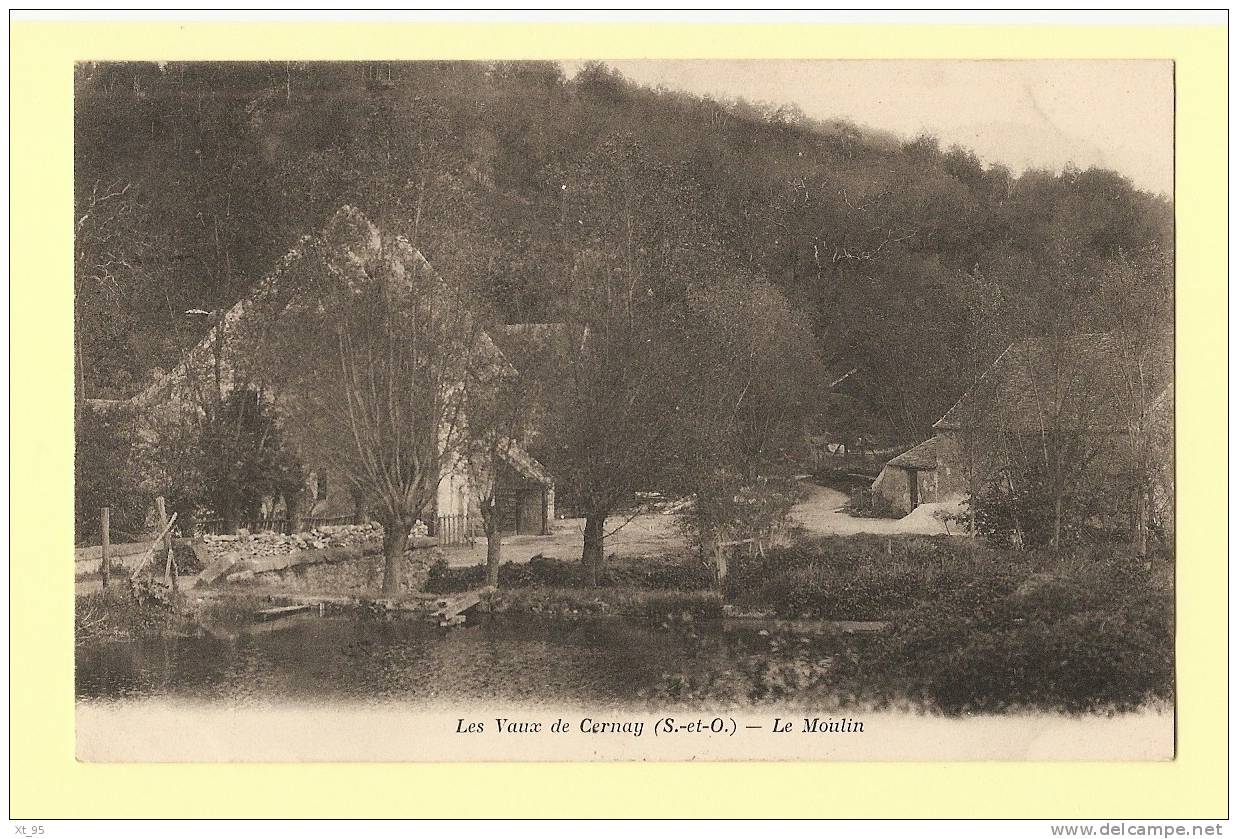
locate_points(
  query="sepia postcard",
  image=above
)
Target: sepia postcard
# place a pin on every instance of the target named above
(624, 410)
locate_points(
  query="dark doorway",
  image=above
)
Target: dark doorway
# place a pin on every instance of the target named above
(913, 487)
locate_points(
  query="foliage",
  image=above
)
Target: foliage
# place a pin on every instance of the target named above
(1096, 640)
(171, 461)
(242, 457)
(866, 577)
(117, 613)
(728, 509)
(648, 573)
(755, 371)
(107, 473)
(971, 630)
(529, 186)
(1017, 509)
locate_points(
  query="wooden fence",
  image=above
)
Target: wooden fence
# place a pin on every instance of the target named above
(453, 531)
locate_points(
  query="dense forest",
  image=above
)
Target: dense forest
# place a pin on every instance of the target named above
(914, 264)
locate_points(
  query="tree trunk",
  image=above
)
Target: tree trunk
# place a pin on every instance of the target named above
(1141, 523)
(494, 552)
(1057, 523)
(292, 513)
(720, 565)
(359, 513)
(395, 543)
(593, 555)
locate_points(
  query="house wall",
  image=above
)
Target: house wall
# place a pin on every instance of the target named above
(455, 494)
(894, 484)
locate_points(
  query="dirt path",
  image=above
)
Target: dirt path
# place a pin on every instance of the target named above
(653, 533)
(647, 534)
(822, 513)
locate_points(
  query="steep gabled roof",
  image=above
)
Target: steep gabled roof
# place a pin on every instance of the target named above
(357, 241)
(1080, 381)
(524, 464)
(923, 456)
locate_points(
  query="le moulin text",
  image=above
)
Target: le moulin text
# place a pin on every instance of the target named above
(727, 726)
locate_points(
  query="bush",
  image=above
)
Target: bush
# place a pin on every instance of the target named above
(106, 474)
(861, 577)
(1100, 640)
(971, 631)
(1021, 513)
(727, 508)
(443, 579)
(656, 573)
(119, 612)
(865, 577)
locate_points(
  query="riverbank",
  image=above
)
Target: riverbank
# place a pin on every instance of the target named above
(921, 623)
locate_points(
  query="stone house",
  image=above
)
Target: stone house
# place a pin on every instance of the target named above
(1100, 404)
(910, 479)
(526, 489)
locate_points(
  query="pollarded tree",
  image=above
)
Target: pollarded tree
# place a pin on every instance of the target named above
(610, 426)
(368, 353)
(634, 244)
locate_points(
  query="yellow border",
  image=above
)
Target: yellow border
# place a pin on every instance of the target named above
(46, 781)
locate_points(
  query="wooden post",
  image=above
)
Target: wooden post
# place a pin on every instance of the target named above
(720, 569)
(150, 553)
(105, 525)
(170, 567)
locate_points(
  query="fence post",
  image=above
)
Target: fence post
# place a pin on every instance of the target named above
(105, 526)
(720, 563)
(169, 570)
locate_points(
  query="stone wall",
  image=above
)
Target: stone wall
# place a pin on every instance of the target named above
(355, 575)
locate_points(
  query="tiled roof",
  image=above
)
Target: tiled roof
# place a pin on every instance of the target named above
(523, 463)
(1076, 381)
(923, 456)
(357, 240)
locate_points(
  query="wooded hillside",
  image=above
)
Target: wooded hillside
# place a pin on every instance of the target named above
(914, 264)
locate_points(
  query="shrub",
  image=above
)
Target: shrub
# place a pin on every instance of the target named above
(1100, 641)
(986, 633)
(106, 474)
(658, 573)
(443, 579)
(727, 508)
(119, 612)
(861, 577)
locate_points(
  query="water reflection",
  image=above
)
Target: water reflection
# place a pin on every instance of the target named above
(605, 660)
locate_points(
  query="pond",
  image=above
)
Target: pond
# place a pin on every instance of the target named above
(596, 661)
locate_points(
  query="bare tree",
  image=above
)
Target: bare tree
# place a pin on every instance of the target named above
(368, 351)
(500, 409)
(1136, 292)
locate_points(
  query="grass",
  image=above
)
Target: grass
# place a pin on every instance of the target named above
(115, 613)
